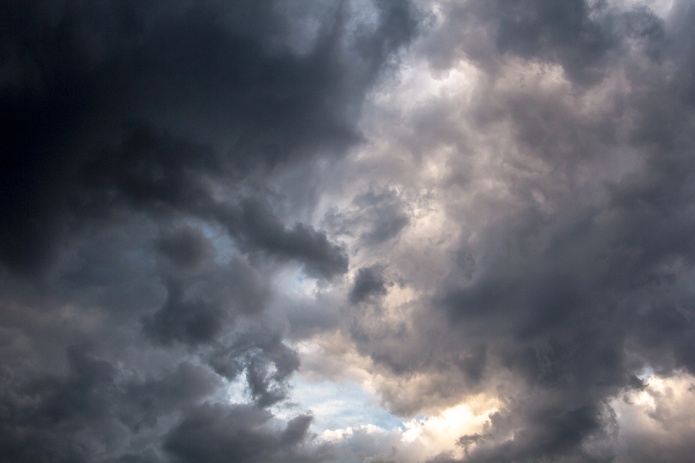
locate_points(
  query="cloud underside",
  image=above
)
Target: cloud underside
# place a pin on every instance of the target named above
(470, 208)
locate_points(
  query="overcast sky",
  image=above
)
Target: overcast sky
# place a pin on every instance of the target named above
(360, 231)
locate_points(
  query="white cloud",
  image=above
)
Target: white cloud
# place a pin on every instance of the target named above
(658, 422)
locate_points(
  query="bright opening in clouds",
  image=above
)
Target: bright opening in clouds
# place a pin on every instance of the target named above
(359, 231)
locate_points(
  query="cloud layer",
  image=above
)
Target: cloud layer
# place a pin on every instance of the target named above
(479, 214)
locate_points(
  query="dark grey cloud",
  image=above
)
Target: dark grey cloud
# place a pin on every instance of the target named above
(580, 36)
(264, 358)
(84, 383)
(191, 321)
(576, 434)
(186, 247)
(219, 433)
(141, 230)
(547, 30)
(93, 410)
(257, 228)
(368, 282)
(235, 95)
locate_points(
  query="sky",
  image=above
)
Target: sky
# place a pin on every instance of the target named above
(357, 231)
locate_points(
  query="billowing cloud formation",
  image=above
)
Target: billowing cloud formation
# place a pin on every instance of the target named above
(478, 214)
(141, 226)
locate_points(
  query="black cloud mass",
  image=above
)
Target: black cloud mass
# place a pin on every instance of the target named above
(137, 141)
(211, 210)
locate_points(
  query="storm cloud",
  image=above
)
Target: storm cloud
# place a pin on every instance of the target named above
(351, 231)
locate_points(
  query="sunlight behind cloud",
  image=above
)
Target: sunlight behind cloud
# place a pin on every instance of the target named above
(663, 412)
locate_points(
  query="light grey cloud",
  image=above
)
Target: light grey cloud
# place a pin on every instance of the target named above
(556, 271)
(376, 217)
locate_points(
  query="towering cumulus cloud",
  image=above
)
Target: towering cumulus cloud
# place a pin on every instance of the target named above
(349, 231)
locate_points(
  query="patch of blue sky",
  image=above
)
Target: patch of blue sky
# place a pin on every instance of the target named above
(341, 405)
(292, 281)
(237, 392)
(646, 373)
